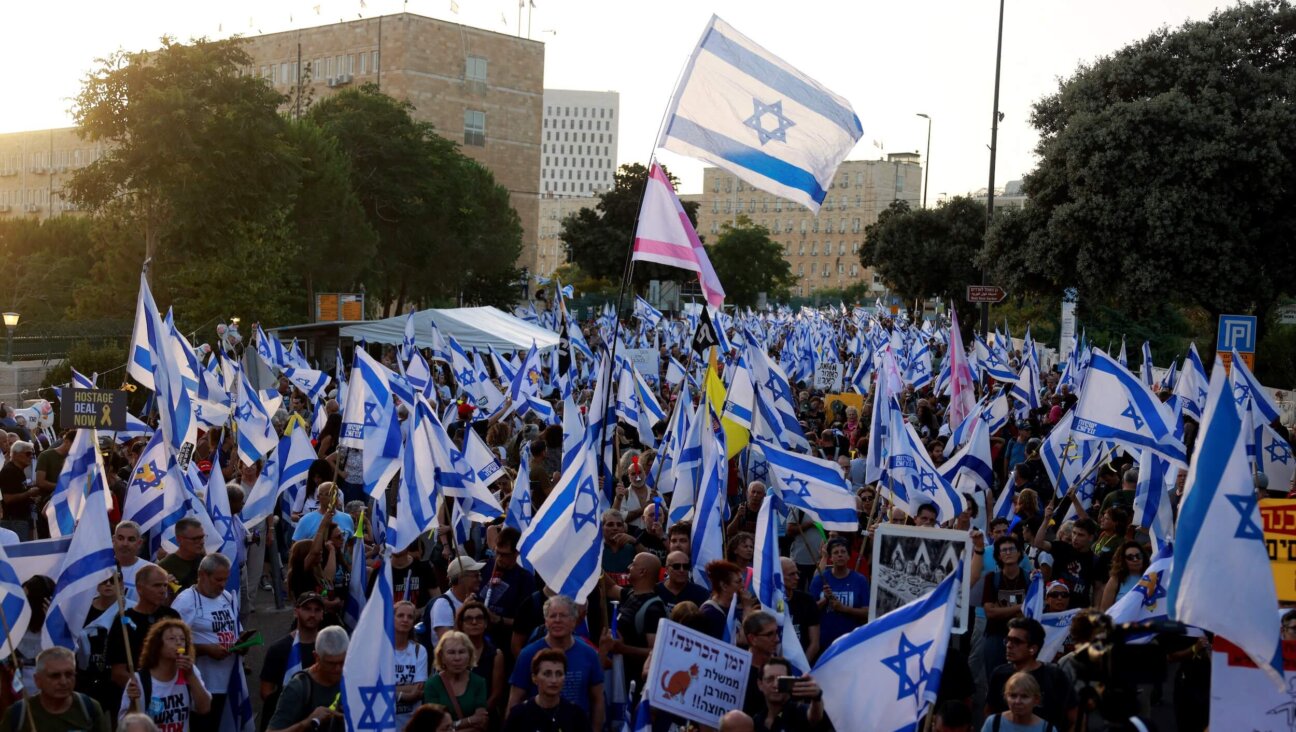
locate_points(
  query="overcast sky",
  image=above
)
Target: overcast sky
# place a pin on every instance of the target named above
(892, 60)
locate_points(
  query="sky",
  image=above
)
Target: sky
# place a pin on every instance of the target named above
(891, 60)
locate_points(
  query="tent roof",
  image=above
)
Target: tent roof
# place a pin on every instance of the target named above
(471, 327)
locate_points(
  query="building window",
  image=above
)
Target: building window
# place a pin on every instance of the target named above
(475, 69)
(474, 127)
(374, 59)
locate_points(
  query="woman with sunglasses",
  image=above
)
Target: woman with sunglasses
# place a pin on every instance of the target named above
(471, 619)
(1127, 567)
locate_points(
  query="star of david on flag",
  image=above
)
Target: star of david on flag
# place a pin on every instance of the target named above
(369, 672)
(889, 671)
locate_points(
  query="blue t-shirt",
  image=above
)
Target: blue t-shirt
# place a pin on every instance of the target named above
(583, 672)
(309, 524)
(852, 591)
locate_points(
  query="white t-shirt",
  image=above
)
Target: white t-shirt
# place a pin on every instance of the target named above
(128, 579)
(212, 620)
(443, 612)
(411, 667)
(168, 705)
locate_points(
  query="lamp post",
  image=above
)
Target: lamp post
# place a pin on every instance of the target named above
(994, 143)
(926, 160)
(11, 322)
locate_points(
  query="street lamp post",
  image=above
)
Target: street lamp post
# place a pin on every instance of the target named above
(926, 160)
(994, 142)
(11, 322)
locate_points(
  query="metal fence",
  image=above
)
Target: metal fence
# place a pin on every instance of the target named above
(51, 342)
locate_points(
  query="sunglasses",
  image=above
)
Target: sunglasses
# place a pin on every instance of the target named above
(680, 567)
(1134, 557)
(1058, 594)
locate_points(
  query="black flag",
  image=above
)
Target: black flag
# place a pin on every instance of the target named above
(705, 336)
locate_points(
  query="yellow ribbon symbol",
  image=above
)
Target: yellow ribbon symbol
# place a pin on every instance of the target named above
(106, 417)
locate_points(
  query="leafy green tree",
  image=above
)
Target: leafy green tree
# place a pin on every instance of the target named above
(748, 262)
(926, 253)
(1166, 172)
(599, 239)
(198, 166)
(444, 226)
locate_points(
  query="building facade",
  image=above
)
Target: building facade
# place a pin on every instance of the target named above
(579, 145)
(550, 253)
(35, 165)
(822, 249)
(480, 89)
(1010, 196)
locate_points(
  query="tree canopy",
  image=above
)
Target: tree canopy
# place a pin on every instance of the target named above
(930, 252)
(748, 262)
(1167, 172)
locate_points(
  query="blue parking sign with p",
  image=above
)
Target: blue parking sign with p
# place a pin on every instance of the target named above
(1237, 332)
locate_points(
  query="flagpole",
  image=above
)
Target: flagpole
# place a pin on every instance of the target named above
(121, 613)
(13, 657)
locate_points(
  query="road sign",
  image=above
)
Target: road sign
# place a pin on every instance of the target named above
(1226, 358)
(1287, 315)
(985, 293)
(102, 409)
(1236, 332)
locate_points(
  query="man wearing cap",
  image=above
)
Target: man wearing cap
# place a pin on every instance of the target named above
(292, 653)
(464, 575)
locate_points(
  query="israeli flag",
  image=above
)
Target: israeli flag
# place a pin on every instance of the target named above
(526, 382)
(80, 469)
(564, 542)
(971, 462)
(1192, 383)
(486, 469)
(89, 561)
(1033, 603)
(284, 469)
(740, 107)
(1274, 457)
(358, 582)
(815, 485)
(1026, 386)
(1152, 495)
(1147, 601)
(369, 422)
(1219, 543)
(644, 311)
(910, 466)
(312, 383)
(686, 465)
(889, 671)
(135, 427)
(707, 540)
(1115, 405)
(175, 409)
(369, 673)
(13, 603)
(675, 372)
(767, 582)
(145, 498)
(256, 434)
(520, 509)
(1145, 373)
(1263, 409)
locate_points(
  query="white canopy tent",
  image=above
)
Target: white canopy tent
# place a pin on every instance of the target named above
(472, 327)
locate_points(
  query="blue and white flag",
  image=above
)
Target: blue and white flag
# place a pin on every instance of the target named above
(135, 427)
(175, 409)
(1249, 395)
(971, 464)
(740, 107)
(1115, 405)
(312, 382)
(145, 498)
(237, 715)
(419, 492)
(520, 509)
(80, 469)
(1146, 601)
(358, 582)
(256, 433)
(1192, 384)
(1152, 508)
(675, 372)
(564, 543)
(1145, 372)
(1273, 457)
(1026, 387)
(369, 422)
(89, 561)
(284, 469)
(644, 311)
(768, 585)
(707, 539)
(13, 601)
(1219, 544)
(1006, 504)
(1033, 603)
(369, 673)
(910, 466)
(815, 485)
(526, 382)
(889, 671)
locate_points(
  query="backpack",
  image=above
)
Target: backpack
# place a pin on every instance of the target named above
(641, 615)
(91, 710)
(998, 722)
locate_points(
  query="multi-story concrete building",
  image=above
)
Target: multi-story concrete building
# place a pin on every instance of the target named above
(824, 249)
(478, 88)
(1010, 196)
(579, 146)
(35, 165)
(550, 254)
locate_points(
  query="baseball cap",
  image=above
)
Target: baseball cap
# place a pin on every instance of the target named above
(306, 597)
(463, 564)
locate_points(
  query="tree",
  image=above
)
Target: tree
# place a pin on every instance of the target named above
(198, 167)
(926, 252)
(599, 239)
(1167, 172)
(748, 262)
(444, 226)
(44, 265)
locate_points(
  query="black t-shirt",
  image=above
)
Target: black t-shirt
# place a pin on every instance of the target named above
(805, 615)
(629, 611)
(504, 593)
(14, 480)
(530, 616)
(653, 544)
(1077, 570)
(96, 679)
(415, 583)
(793, 717)
(998, 589)
(692, 592)
(531, 717)
(138, 631)
(1056, 692)
(273, 669)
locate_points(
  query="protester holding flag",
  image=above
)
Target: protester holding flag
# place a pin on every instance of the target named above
(168, 686)
(309, 701)
(211, 613)
(149, 609)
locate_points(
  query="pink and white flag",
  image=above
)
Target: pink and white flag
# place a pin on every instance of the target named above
(962, 390)
(666, 236)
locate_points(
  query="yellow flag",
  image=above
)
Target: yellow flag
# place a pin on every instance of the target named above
(736, 436)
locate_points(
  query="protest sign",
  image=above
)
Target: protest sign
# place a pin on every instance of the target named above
(103, 409)
(1244, 697)
(908, 562)
(695, 676)
(645, 360)
(828, 376)
(1279, 516)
